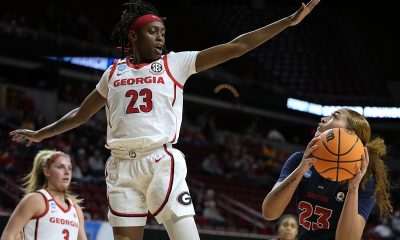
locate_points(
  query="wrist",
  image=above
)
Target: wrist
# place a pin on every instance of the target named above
(301, 170)
(353, 188)
(40, 134)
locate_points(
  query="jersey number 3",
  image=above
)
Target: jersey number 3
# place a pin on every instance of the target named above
(147, 100)
(307, 210)
(65, 232)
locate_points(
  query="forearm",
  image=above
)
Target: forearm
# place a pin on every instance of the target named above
(67, 122)
(276, 201)
(350, 226)
(251, 40)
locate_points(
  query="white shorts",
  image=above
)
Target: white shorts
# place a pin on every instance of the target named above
(152, 181)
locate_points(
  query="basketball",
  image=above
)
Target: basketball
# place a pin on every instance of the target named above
(339, 151)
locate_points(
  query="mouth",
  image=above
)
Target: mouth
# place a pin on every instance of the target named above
(159, 49)
(66, 179)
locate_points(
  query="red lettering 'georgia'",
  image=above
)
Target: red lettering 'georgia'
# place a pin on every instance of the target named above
(64, 222)
(132, 81)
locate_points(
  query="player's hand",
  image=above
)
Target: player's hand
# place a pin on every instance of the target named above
(361, 169)
(308, 161)
(25, 134)
(300, 14)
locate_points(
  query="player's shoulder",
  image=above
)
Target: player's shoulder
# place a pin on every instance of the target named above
(295, 157)
(35, 197)
(181, 54)
(34, 202)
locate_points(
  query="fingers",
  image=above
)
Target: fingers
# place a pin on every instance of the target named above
(29, 143)
(12, 133)
(317, 133)
(18, 138)
(358, 170)
(364, 160)
(310, 150)
(312, 4)
(366, 155)
(311, 161)
(313, 141)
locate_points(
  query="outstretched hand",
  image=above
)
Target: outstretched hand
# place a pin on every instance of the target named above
(300, 14)
(25, 134)
(361, 169)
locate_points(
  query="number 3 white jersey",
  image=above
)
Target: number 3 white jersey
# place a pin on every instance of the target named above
(55, 223)
(145, 101)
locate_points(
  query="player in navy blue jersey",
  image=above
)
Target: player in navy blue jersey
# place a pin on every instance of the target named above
(333, 210)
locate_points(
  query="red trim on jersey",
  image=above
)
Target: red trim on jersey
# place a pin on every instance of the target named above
(64, 210)
(113, 69)
(171, 181)
(115, 64)
(173, 101)
(165, 59)
(125, 214)
(77, 213)
(47, 207)
(36, 229)
(135, 66)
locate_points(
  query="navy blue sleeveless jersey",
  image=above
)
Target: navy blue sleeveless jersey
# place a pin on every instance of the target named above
(320, 201)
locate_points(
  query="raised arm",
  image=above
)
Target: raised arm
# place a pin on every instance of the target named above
(351, 224)
(279, 197)
(93, 103)
(213, 56)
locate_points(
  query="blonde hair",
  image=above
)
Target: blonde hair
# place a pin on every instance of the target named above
(376, 168)
(36, 179)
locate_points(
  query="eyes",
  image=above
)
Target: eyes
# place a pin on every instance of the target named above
(61, 167)
(154, 31)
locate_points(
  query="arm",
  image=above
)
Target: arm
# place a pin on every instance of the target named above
(30, 206)
(351, 224)
(81, 233)
(93, 103)
(278, 198)
(237, 47)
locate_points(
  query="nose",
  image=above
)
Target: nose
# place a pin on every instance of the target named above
(159, 36)
(323, 119)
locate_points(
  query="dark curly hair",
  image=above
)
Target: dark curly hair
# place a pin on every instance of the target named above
(132, 10)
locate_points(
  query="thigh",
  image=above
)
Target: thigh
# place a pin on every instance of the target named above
(128, 233)
(127, 203)
(168, 194)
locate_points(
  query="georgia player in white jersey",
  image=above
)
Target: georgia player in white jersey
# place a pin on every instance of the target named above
(48, 211)
(143, 98)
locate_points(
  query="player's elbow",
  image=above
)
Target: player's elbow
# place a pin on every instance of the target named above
(80, 117)
(238, 49)
(269, 213)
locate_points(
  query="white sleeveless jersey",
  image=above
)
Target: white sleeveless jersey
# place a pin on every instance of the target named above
(55, 223)
(144, 102)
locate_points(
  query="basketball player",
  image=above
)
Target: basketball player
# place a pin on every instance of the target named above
(143, 95)
(48, 210)
(287, 227)
(327, 209)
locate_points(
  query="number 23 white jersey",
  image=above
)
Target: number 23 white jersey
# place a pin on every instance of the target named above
(144, 102)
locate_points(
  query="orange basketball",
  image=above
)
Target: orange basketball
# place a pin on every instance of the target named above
(339, 151)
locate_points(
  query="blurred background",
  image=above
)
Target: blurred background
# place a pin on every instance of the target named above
(237, 129)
